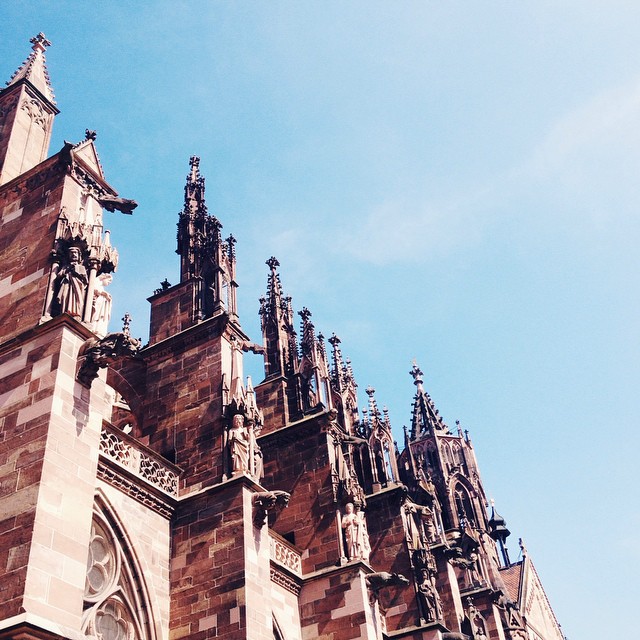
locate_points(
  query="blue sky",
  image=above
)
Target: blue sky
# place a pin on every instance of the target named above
(451, 182)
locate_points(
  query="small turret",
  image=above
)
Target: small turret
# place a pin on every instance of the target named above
(499, 532)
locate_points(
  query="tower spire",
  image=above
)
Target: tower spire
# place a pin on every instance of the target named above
(34, 69)
(276, 315)
(27, 109)
(204, 256)
(314, 368)
(426, 418)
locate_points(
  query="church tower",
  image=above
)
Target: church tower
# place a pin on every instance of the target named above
(56, 261)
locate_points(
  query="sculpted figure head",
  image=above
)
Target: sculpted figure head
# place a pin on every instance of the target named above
(75, 256)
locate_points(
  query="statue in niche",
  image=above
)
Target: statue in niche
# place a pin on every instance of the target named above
(428, 597)
(380, 466)
(238, 445)
(70, 285)
(258, 461)
(101, 310)
(430, 530)
(356, 534)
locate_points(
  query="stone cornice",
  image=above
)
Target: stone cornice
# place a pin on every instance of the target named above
(294, 431)
(198, 333)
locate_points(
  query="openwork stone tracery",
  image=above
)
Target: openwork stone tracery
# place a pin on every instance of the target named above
(113, 598)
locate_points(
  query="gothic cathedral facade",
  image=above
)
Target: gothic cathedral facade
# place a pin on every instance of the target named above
(152, 492)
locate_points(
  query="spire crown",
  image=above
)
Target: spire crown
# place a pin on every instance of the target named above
(34, 69)
(417, 374)
(426, 418)
(40, 42)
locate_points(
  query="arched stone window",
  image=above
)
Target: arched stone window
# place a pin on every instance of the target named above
(464, 507)
(277, 633)
(114, 608)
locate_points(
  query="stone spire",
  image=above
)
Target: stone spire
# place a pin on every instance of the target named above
(314, 368)
(34, 69)
(204, 256)
(425, 419)
(27, 109)
(344, 387)
(376, 429)
(276, 315)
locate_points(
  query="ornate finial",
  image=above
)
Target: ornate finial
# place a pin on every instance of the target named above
(305, 314)
(90, 134)
(334, 340)
(416, 373)
(40, 42)
(231, 244)
(194, 162)
(370, 391)
(126, 324)
(272, 263)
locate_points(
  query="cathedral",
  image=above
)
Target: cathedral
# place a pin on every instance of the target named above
(152, 492)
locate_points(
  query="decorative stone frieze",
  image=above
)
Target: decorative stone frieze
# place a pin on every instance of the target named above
(284, 581)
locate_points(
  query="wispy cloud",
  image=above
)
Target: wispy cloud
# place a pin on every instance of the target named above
(588, 160)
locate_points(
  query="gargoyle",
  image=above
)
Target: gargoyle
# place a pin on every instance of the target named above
(266, 500)
(382, 579)
(258, 349)
(96, 354)
(348, 439)
(112, 203)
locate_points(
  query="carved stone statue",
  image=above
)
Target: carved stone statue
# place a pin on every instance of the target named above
(365, 546)
(101, 310)
(478, 628)
(356, 534)
(70, 285)
(238, 441)
(428, 598)
(427, 519)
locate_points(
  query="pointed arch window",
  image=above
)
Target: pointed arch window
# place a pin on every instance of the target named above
(464, 507)
(114, 608)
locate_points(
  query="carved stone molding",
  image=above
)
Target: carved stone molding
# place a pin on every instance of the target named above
(286, 582)
(134, 490)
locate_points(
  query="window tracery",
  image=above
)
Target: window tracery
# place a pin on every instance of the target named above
(113, 605)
